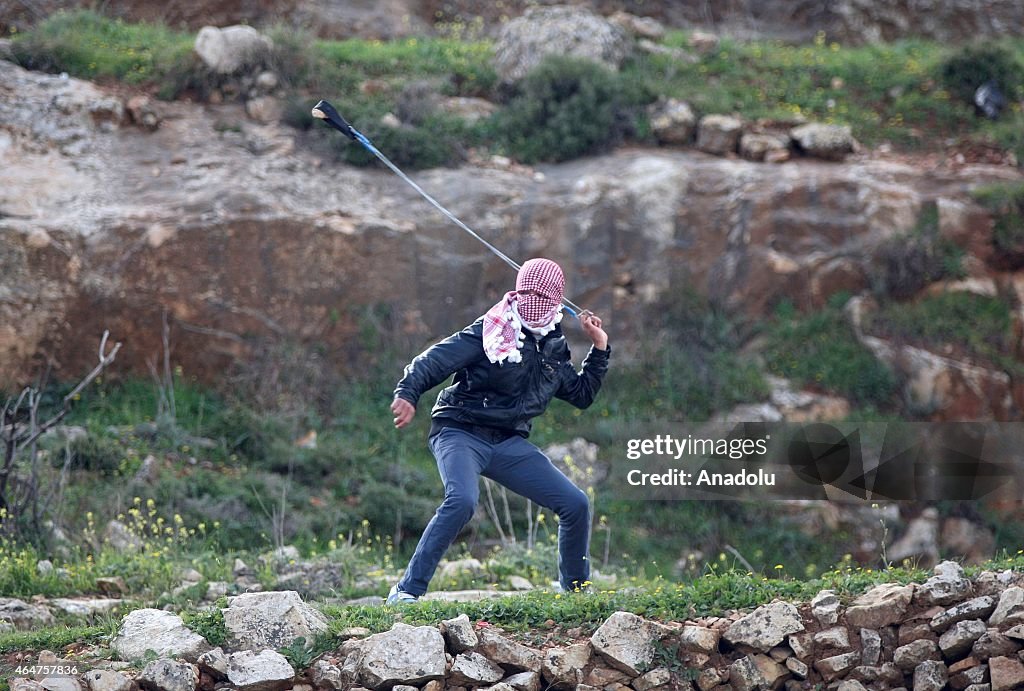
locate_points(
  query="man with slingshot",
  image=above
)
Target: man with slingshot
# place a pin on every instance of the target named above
(508, 365)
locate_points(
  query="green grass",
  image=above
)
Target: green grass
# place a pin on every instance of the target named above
(907, 92)
(819, 350)
(1006, 202)
(978, 326)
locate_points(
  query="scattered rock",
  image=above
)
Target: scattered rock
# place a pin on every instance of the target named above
(672, 121)
(229, 49)
(162, 632)
(830, 142)
(169, 675)
(719, 134)
(558, 30)
(274, 619)
(978, 608)
(653, 679)
(703, 42)
(112, 586)
(459, 633)
(23, 616)
(765, 627)
(473, 669)
(1010, 608)
(883, 605)
(460, 567)
(86, 607)
(519, 583)
(61, 684)
(699, 639)
(514, 657)
(107, 680)
(909, 656)
(264, 109)
(1006, 673)
(470, 109)
(930, 675)
(326, 676)
(948, 585)
(771, 148)
(799, 669)
(627, 641)
(564, 667)
(267, 670)
(404, 655)
(960, 638)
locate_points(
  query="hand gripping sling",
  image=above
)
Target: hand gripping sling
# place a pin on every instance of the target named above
(326, 112)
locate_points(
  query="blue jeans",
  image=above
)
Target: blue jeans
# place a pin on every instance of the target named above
(520, 466)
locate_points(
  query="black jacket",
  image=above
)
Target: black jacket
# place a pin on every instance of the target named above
(505, 396)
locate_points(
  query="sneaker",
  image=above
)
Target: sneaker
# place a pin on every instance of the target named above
(400, 597)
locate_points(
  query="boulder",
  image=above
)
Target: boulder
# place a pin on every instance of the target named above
(719, 134)
(830, 142)
(558, 30)
(404, 655)
(765, 627)
(162, 632)
(229, 49)
(267, 670)
(256, 621)
(169, 675)
(627, 642)
(672, 121)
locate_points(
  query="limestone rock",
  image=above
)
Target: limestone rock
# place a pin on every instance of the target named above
(107, 680)
(24, 616)
(836, 637)
(909, 656)
(60, 684)
(405, 654)
(267, 670)
(519, 583)
(719, 134)
(799, 669)
(930, 675)
(473, 669)
(837, 665)
(468, 108)
(831, 142)
(627, 641)
(765, 627)
(994, 644)
(881, 606)
(118, 536)
(169, 675)
(564, 666)
(215, 663)
(825, 607)
(1006, 673)
(963, 536)
(745, 676)
(672, 121)
(948, 585)
(641, 27)
(514, 657)
(330, 677)
(459, 633)
(871, 647)
(162, 632)
(524, 681)
(978, 608)
(541, 31)
(960, 638)
(1010, 608)
(264, 109)
(699, 639)
(772, 148)
(658, 676)
(771, 671)
(274, 619)
(229, 49)
(85, 607)
(459, 567)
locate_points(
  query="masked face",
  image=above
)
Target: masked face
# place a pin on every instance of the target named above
(539, 288)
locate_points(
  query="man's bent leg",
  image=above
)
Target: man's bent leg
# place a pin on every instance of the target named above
(460, 457)
(520, 466)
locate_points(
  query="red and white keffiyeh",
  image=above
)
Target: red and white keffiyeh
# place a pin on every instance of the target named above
(535, 304)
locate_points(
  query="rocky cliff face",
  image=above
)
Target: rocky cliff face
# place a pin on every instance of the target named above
(242, 234)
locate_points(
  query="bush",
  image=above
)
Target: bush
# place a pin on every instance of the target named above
(567, 108)
(821, 350)
(97, 453)
(971, 66)
(1006, 202)
(907, 263)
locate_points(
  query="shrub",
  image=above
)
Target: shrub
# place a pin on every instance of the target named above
(97, 453)
(1006, 202)
(567, 108)
(973, 65)
(907, 263)
(821, 350)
